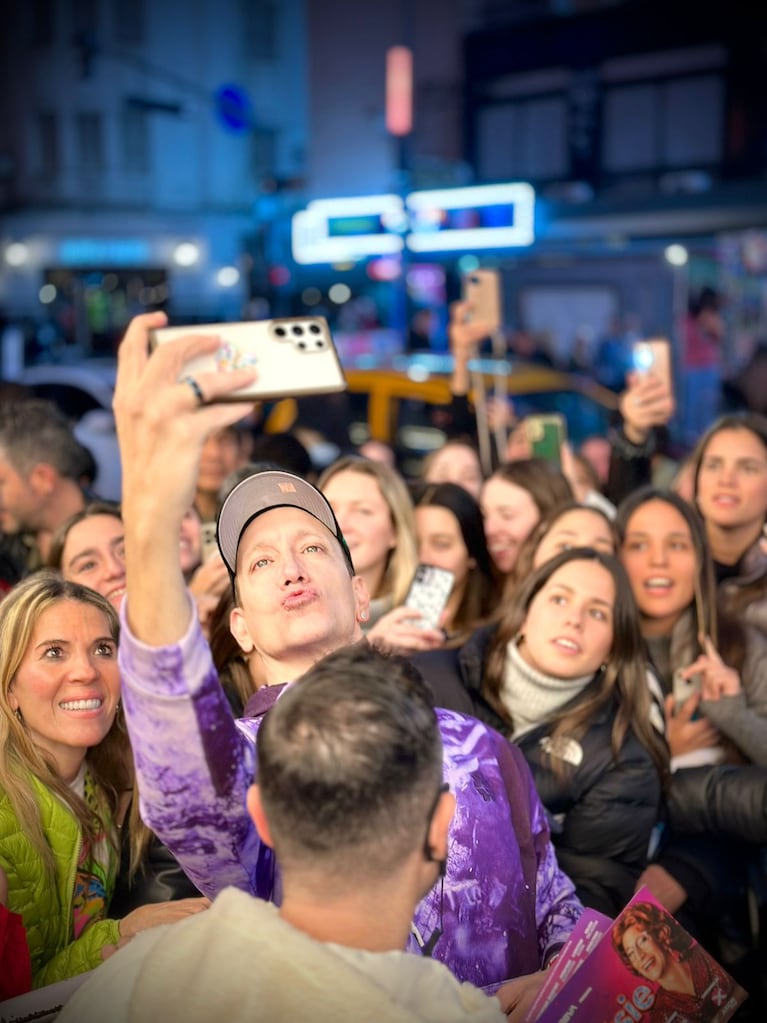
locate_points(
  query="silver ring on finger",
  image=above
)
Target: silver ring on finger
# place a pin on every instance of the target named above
(196, 389)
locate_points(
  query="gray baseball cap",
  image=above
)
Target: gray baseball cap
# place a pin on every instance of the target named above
(260, 493)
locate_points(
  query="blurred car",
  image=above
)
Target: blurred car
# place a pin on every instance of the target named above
(391, 398)
(394, 400)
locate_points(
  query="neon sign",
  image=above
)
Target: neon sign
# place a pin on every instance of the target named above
(337, 230)
(441, 220)
(481, 217)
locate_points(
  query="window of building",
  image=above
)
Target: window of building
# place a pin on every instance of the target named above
(90, 143)
(135, 139)
(525, 139)
(669, 124)
(48, 144)
(259, 29)
(630, 128)
(693, 122)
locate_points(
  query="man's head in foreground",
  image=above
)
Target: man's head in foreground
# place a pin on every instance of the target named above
(349, 784)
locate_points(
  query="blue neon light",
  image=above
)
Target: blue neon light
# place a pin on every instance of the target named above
(103, 252)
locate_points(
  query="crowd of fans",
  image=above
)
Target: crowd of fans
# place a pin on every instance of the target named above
(588, 716)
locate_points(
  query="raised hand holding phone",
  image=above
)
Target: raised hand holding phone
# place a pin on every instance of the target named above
(291, 356)
(429, 593)
(648, 400)
(482, 296)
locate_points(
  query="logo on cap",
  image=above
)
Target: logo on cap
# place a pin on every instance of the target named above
(287, 488)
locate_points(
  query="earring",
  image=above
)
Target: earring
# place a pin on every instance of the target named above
(363, 615)
(17, 712)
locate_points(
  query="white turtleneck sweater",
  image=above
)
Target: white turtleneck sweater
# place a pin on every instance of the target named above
(530, 696)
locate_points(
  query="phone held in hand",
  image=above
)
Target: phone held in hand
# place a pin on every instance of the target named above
(682, 689)
(429, 593)
(546, 434)
(482, 293)
(653, 356)
(208, 543)
(293, 355)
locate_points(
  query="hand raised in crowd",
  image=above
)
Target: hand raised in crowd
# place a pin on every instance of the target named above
(500, 412)
(682, 733)
(464, 335)
(718, 678)
(397, 632)
(518, 445)
(162, 424)
(646, 402)
(211, 577)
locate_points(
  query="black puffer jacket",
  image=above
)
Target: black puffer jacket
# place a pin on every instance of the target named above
(602, 811)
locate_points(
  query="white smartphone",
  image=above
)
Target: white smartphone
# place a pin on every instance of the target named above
(482, 292)
(208, 543)
(653, 355)
(683, 689)
(429, 592)
(294, 355)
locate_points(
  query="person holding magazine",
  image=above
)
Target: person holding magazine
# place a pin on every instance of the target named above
(641, 967)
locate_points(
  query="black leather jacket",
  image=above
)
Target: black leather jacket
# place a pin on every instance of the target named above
(602, 810)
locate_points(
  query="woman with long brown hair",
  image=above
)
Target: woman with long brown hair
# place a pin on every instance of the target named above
(66, 775)
(562, 674)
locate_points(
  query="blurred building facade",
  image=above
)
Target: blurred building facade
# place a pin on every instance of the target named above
(176, 139)
(136, 139)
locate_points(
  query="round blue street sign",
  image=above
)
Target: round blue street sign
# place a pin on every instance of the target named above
(233, 107)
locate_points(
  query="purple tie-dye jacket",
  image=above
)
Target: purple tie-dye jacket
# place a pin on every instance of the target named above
(505, 906)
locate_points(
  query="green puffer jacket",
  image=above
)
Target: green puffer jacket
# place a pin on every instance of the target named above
(47, 909)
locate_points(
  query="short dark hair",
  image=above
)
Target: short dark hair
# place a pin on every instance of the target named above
(349, 764)
(33, 431)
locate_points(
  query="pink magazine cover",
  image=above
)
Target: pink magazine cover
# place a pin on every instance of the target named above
(645, 969)
(583, 939)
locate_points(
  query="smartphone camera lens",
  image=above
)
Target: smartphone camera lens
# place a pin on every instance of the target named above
(298, 330)
(314, 328)
(280, 331)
